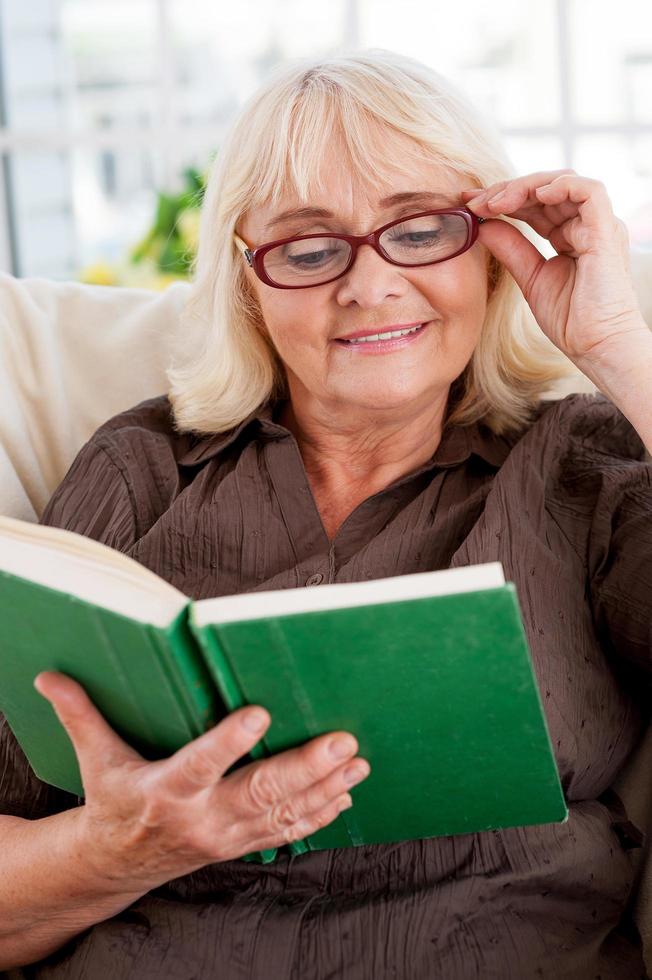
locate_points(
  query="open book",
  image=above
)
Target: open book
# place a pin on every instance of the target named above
(431, 672)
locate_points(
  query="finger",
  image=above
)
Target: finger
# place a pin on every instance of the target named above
(536, 216)
(518, 254)
(290, 808)
(263, 784)
(592, 202)
(562, 238)
(304, 827)
(528, 181)
(317, 797)
(518, 199)
(96, 744)
(556, 205)
(204, 761)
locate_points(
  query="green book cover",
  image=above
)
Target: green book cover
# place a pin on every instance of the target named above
(438, 689)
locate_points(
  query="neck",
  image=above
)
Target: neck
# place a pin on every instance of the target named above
(360, 451)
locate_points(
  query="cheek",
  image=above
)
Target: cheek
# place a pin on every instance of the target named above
(457, 291)
(293, 323)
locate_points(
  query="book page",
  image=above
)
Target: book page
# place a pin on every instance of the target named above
(72, 563)
(258, 605)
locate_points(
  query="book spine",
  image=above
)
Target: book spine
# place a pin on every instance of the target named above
(191, 714)
(220, 669)
(187, 664)
(218, 664)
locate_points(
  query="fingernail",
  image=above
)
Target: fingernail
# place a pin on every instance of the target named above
(355, 774)
(339, 748)
(255, 721)
(38, 680)
(345, 803)
(497, 197)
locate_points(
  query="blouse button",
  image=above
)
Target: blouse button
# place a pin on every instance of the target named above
(315, 579)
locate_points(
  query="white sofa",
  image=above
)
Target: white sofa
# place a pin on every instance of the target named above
(73, 355)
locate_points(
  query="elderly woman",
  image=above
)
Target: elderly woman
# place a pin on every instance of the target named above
(368, 402)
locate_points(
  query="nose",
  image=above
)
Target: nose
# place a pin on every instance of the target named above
(370, 280)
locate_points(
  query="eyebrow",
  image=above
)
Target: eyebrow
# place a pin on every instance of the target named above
(394, 200)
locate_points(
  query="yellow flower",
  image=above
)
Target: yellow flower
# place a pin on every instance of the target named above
(99, 274)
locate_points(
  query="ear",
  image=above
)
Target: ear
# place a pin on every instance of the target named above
(494, 269)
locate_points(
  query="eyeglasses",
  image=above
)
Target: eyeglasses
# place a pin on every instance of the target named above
(313, 260)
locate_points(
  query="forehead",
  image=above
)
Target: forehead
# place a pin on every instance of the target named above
(402, 177)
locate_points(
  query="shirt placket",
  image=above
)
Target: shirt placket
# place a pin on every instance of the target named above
(317, 558)
(303, 523)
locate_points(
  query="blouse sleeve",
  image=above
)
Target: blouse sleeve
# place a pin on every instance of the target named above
(94, 499)
(608, 456)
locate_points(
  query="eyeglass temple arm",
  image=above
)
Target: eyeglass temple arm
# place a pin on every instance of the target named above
(244, 248)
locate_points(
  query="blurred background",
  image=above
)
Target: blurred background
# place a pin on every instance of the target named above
(111, 110)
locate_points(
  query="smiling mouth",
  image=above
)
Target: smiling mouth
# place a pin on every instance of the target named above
(375, 338)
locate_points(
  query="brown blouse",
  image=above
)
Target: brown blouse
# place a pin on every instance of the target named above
(566, 506)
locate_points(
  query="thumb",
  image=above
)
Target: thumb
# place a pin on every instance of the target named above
(96, 745)
(518, 254)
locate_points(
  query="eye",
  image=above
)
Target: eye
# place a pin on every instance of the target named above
(417, 237)
(311, 258)
(429, 237)
(314, 253)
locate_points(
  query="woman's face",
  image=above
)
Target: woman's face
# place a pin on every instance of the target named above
(306, 325)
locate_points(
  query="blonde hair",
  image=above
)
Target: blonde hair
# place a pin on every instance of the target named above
(276, 145)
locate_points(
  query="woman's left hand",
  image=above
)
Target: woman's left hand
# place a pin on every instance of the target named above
(583, 298)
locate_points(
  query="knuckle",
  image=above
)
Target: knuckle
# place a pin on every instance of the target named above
(598, 186)
(296, 831)
(155, 810)
(260, 788)
(196, 768)
(284, 815)
(305, 826)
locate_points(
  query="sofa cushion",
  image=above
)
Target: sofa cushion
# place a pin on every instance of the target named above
(72, 356)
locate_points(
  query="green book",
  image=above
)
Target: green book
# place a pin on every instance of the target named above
(430, 671)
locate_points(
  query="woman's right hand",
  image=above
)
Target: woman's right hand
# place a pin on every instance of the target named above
(147, 822)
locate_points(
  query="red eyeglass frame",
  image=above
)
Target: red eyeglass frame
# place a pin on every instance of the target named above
(254, 257)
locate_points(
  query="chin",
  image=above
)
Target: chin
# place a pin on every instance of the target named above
(389, 397)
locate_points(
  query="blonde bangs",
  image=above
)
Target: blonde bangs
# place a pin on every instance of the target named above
(319, 119)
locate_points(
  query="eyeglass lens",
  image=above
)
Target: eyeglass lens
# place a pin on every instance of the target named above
(417, 241)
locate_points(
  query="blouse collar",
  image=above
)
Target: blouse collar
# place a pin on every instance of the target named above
(457, 444)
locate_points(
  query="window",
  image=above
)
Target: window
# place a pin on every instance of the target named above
(104, 102)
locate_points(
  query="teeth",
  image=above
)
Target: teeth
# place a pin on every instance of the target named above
(385, 336)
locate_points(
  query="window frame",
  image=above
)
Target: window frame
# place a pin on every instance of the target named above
(164, 140)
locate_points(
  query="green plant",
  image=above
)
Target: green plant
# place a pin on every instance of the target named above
(171, 242)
